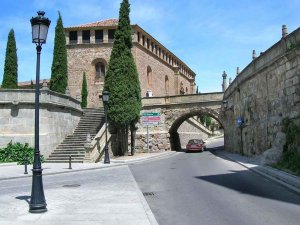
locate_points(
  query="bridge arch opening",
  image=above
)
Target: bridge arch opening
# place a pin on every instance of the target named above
(192, 118)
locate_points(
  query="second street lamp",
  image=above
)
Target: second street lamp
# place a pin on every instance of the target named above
(105, 98)
(40, 25)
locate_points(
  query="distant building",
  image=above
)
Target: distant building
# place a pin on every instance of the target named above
(89, 47)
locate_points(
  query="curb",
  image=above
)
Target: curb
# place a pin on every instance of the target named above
(8, 164)
(114, 163)
(287, 180)
(148, 157)
(146, 206)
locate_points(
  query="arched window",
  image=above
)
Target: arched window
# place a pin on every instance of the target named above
(186, 90)
(149, 76)
(100, 70)
(167, 85)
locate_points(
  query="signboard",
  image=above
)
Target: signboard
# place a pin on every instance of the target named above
(240, 121)
(150, 118)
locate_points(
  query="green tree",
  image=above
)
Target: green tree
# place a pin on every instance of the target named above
(31, 85)
(84, 92)
(59, 69)
(10, 76)
(197, 92)
(205, 119)
(122, 83)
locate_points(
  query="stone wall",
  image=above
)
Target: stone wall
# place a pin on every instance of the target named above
(59, 115)
(163, 75)
(82, 58)
(173, 112)
(189, 129)
(263, 94)
(166, 79)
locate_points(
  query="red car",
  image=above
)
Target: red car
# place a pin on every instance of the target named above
(195, 145)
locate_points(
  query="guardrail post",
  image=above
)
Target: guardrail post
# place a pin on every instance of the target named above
(70, 162)
(25, 165)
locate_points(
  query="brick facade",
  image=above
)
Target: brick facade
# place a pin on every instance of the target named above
(160, 71)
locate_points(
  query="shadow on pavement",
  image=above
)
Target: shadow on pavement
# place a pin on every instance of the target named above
(24, 197)
(247, 182)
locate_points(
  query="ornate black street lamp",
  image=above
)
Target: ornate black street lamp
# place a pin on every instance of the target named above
(105, 98)
(40, 25)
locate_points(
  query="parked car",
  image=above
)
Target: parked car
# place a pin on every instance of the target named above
(196, 145)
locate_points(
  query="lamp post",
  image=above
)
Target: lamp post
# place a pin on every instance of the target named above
(40, 25)
(105, 98)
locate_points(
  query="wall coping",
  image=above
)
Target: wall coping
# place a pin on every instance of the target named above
(266, 58)
(27, 96)
(214, 97)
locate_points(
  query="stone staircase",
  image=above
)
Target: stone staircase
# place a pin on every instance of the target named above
(73, 145)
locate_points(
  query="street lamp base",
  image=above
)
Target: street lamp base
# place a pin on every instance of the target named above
(38, 208)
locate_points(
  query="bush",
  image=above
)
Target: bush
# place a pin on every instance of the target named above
(290, 161)
(291, 155)
(17, 152)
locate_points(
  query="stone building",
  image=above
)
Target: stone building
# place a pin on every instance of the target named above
(89, 47)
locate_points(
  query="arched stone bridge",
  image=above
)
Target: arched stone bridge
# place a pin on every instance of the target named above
(174, 110)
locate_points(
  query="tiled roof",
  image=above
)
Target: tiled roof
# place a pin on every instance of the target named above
(103, 23)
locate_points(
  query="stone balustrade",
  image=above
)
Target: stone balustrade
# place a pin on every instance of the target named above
(59, 115)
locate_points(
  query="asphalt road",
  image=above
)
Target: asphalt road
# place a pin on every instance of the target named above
(204, 189)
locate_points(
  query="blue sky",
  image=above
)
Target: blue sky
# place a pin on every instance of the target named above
(210, 36)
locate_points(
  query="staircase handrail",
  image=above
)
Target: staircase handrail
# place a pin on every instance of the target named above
(94, 150)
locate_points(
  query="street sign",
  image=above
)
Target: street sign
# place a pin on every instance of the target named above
(151, 114)
(150, 118)
(240, 121)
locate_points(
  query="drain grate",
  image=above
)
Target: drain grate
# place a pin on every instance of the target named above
(148, 193)
(71, 185)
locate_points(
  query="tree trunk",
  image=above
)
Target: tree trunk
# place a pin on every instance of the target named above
(133, 130)
(122, 140)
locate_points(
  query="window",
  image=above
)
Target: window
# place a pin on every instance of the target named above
(111, 35)
(167, 85)
(100, 70)
(148, 43)
(86, 36)
(73, 37)
(143, 40)
(149, 76)
(138, 37)
(186, 90)
(98, 36)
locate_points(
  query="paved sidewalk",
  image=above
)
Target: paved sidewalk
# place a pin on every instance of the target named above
(114, 199)
(288, 180)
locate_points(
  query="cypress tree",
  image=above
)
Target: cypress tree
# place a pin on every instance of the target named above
(10, 76)
(31, 85)
(84, 92)
(122, 82)
(59, 69)
(197, 90)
